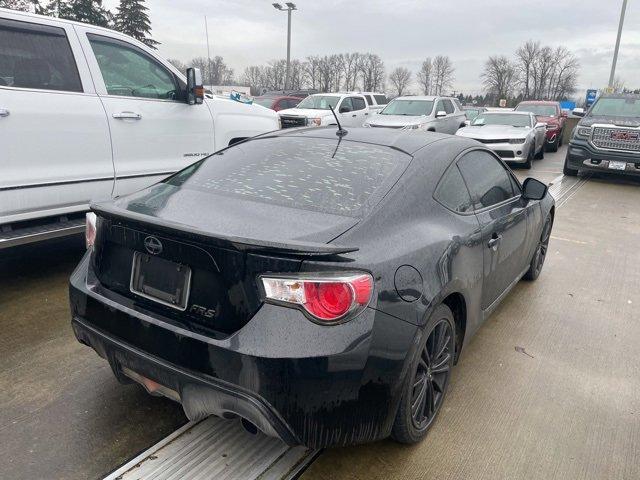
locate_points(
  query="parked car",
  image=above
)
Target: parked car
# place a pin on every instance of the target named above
(375, 100)
(319, 287)
(290, 93)
(517, 137)
(427, 113)
(471, 112)
(550, 113)
(277, 103)
(313, 111)
(607, 138)
(87, 113)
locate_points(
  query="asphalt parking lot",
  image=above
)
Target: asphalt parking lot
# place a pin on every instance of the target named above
(548, 388)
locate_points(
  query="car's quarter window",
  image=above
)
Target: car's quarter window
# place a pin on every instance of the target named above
(36, 57)
(345, 178)
(358, 103)
(369, 100)
(487, 179)
(448, 106)
(452, 191)
(128, 71)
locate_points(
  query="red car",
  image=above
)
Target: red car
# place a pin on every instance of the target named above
(277, 103)
(552, 115)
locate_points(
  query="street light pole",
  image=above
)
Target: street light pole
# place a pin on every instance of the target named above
(206, 29)
(290, 7)
(615, 52)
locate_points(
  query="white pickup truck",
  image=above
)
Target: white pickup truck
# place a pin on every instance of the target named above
(351, 109)
(88, 113)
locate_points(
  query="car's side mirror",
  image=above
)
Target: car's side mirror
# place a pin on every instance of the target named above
(578, 112)
(441, 113)
(533, 189)
(345, 109)
(195, 89)
(564, 114)
(467, 123)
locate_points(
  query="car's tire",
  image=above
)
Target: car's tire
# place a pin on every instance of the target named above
(537, 261)
(528, 163)
(540, 154)
(426, 383)
(568, 171)
(553, 147)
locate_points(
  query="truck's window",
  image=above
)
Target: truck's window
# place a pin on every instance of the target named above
(346, 104)
(448, 106)
(369, 100)
(130, 72)
(381, 99)
(37, 57)
(358, 103)
(439, 107)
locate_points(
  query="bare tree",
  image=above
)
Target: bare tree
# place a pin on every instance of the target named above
(563, 78)
(400, 78)
(312, 69)
(372, 72)
(178, 64)
(525, 57)
(23, 5)
(443, 74)
(351, 70)
(214, 70)
(425, 76)
(253, 77)
(500, 77)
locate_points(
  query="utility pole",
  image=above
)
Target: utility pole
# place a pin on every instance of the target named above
(615, 52)
(289, 9)
(206, 29)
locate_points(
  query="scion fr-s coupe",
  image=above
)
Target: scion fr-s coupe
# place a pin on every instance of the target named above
(318, 286)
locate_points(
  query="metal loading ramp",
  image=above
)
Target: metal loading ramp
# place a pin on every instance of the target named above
(216, 448)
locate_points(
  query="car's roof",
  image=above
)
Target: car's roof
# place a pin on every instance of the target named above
(406, 141)
(277, 97)
(538, 102)
(416, 97)
(633, 96)
(510, 112)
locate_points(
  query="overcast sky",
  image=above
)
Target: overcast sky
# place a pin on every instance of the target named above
(403, 32)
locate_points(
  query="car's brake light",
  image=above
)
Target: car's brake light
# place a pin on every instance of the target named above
(90, 230)
(328, 298)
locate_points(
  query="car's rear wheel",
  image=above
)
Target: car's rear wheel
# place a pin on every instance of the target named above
(540, 154)
(553, 147)
(426, 384)
(537, 262)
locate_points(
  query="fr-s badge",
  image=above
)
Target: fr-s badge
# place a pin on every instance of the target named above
(202, 311)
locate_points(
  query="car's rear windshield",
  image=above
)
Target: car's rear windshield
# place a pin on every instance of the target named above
(617, 107)
(412, 108)
(542, 110)
(330, 176)
(264, 101)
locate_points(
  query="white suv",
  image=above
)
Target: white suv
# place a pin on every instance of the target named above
(88, 113)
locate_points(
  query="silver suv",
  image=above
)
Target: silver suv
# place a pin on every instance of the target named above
(428, 113)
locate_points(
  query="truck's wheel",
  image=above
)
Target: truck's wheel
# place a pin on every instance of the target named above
(426, 384)
(568, 171)
(540, 154)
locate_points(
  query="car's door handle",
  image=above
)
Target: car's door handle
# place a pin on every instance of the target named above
(494, 241)
(354, 115)
(366, 113)
(127, 116)
(4, 112)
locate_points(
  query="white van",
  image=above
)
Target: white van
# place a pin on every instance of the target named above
(88, 113)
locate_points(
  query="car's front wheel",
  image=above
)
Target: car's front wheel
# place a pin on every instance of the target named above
(535, 267)
(426, 384)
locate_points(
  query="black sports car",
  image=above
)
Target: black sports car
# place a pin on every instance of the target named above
(319, 287)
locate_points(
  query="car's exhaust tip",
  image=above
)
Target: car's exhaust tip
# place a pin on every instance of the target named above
(249, 427)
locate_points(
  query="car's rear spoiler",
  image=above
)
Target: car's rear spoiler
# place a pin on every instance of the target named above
(290, 248)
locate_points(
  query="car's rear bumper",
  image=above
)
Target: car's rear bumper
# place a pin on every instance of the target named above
(582, 156)
(305, 383)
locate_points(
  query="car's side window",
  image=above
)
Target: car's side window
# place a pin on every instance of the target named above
(487, 179)
(452, 191)
(369, 100)
(448, 106)
(439, 106)
(130, 72)
(291, 103)
(37, 57)
(358, 103)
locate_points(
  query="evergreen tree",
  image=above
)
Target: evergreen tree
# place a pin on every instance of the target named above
(85, 11)
(132, 19)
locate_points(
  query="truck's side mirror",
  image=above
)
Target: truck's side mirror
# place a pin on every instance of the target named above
(195, 89)
(441, 113)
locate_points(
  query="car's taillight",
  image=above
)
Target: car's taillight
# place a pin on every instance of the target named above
(328, 298)
(90, 231)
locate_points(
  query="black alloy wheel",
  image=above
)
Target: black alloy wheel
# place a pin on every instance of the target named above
(541, 251)
(425, 391)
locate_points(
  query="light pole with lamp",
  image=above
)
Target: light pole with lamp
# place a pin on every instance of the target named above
(289, 8)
